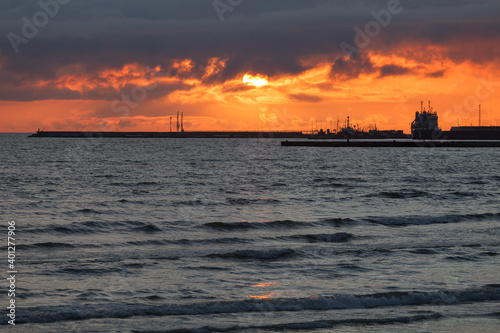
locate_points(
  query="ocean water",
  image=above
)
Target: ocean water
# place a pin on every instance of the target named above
(243, 235)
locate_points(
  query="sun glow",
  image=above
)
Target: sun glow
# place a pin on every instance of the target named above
(257, 80)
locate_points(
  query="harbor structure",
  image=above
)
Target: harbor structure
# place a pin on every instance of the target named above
(425, 127)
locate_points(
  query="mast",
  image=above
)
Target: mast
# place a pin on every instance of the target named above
(479, 114)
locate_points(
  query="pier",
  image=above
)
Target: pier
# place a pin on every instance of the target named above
(201, 135)
(394, 143)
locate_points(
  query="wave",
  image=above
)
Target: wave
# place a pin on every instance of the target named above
(339, 237)
(91, 227)
(148, 228)
(421, 220)
(285, 224)
(197, 202)
(245, 201)
(148, 242)
(89, 271)
(106, 176)
(335, 222)
(65, 230)
(464, 194)
(45, 314)
(490, 254)
(184, 241)
(331, 182)
(147, 183)
(463, 258)
(351, 267)
(46, 245)
(402, 194)
(312, 325)
(423, 251)
(139, 202)
(133, 185)
(139, 192)
(228, 226)
(87, 211)
(255, 254)
(74, 228)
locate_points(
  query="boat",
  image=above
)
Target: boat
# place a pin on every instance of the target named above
(425, 127)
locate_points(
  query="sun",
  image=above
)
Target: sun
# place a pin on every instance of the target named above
(257, 80)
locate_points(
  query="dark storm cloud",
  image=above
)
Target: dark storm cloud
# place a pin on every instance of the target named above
(356, 65)
(393, 70)
(258, 36)
(27, 92)
(436, 74)
(346, 69)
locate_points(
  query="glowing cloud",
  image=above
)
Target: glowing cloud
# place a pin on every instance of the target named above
(257, 80)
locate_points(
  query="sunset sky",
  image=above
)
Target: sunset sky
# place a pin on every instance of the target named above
(129, 65)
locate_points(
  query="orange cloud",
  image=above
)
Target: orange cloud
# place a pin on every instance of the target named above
(386, 92)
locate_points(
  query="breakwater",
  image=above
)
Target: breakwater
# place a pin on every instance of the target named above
(208, 135)
(400, 144)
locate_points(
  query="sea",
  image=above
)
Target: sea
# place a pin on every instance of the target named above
(243, 235)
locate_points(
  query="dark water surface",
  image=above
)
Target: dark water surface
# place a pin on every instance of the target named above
(225, 235)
